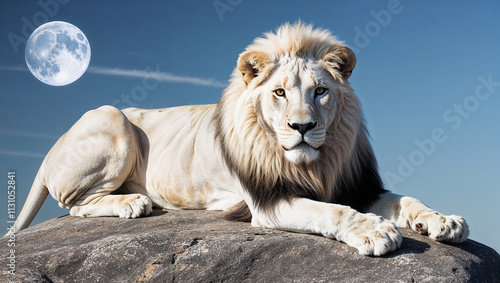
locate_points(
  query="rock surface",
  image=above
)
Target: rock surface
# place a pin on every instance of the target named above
(199, 246)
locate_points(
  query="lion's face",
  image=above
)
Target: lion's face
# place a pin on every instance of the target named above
(296, 81)
(296, 97)
(298, 103)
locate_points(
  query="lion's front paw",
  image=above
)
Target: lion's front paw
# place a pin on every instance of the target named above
(441, 228)
(373, 235)
(139, 205)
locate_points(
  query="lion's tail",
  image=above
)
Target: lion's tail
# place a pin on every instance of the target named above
(36, 198)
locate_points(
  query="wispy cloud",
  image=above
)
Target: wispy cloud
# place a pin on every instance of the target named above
(141, 74)
(157, 75)
(26, 134)
(13, 68)
(21, 153)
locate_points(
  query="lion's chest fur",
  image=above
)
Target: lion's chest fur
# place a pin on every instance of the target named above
(182, 165)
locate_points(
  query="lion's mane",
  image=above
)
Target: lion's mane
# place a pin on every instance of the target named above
(346, 171)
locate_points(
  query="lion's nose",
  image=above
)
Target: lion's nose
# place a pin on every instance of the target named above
(302, 128)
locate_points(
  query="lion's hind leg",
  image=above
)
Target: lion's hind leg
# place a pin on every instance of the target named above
(97, 157)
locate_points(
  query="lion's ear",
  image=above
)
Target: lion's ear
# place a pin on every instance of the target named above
(251, 63)
(341, 58)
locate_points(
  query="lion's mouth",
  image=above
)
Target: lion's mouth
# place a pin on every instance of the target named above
(301, 153)
(301, 145)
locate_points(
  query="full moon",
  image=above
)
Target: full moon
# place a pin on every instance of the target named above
(57, 53)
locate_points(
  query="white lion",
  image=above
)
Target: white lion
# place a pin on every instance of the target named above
(285, 148)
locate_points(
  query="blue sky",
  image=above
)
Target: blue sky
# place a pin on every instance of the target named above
(428, 77)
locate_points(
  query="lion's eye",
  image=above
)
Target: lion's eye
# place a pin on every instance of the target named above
(280, 92)
(320, 91)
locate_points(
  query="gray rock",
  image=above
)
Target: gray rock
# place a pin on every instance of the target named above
(199, 246)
